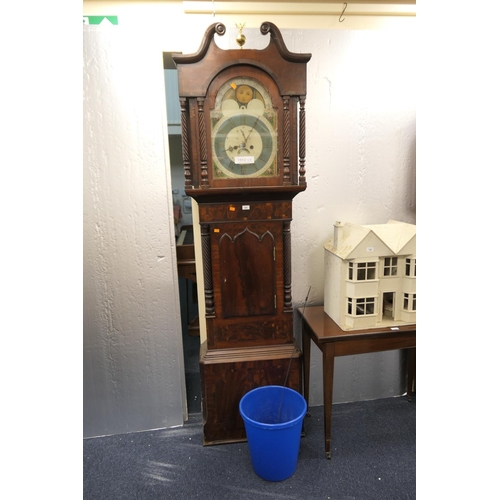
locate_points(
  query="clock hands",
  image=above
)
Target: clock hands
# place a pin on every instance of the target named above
(243, 134)
(251, 130)
(243, 148)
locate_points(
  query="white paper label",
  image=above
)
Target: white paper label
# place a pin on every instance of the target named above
(240, 160)
(245, 207)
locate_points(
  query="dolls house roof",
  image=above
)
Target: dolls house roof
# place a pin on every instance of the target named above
(394, 238)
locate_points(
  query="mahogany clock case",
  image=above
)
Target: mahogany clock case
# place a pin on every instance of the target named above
(244, 162)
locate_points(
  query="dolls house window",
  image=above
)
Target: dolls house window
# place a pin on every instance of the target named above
(411, 268)
(410, 302)
(362, 271)
(360, 307)
(390, 266)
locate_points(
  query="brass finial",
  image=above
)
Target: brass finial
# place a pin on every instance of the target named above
(241, 38)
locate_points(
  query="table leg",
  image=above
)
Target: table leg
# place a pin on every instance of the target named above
(328, 361)
(411, 362)
(306, 351)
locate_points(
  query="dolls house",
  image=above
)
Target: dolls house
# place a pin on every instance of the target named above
(371, 275)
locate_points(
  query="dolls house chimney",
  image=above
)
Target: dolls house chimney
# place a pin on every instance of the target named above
(338, 230)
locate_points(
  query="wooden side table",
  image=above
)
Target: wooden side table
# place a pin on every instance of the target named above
(333, 341)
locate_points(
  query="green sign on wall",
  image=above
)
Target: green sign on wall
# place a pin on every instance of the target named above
(100, 20)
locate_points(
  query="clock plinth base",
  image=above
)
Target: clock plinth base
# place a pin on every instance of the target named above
(228, 374)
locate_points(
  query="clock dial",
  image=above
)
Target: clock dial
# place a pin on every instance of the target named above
(244, 145)
(243, 131)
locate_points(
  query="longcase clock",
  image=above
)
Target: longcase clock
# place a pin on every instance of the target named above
(243, 147)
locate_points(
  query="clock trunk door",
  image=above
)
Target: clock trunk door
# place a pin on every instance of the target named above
(246, 277)
(247, 271)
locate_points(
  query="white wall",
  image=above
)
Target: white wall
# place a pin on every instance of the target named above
(133, 364)
(360, 162)
(360, 168)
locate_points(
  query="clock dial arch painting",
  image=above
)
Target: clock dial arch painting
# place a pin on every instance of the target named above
(243, 93)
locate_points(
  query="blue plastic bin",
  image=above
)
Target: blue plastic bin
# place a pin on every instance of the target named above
(273, 418)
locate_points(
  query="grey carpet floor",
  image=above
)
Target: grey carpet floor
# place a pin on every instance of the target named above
(373, 457)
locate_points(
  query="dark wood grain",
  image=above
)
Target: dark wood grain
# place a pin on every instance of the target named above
(227, 375)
